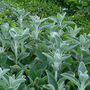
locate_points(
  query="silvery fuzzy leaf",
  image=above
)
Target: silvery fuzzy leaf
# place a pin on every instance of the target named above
(83, 77)
(53, 34)
(71, 78)
(82, 39)
(26, 31)
(82, 68)
(59, 17)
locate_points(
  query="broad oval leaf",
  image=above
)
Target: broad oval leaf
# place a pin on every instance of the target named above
(82, 39)
(82, 68)
(52, 81)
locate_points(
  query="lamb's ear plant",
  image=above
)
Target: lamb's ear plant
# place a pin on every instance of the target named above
(82, 51)
(18, 36)
(83, 81)
(60, 22)
(11, 82)
(73, 32)
(4, 34)
(53, 84)
(21, 14)
(34, 74)
(2, 72)
(59, 54)
(36, 26)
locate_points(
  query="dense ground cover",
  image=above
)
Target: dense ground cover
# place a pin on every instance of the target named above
(44, 52)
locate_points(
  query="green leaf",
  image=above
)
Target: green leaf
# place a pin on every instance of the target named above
(38, 73)
(73, 39)
(51, 80)
(15, 66)
(3, 84)
(68, 22)
(70, 29)
(26, 31)
(53, 18)
(32, 73)
(5, 66)
(12, 57)
(43, 46)
(69, 60)
(59, 17)
(87, 43)
(43, 19)
(82, 39)
(77, 30)
(48, 56)
(18, 81)
(17, 37)
(64, 57)
(23, 38)
(63, 15)
(61, 86)
(58, 40)
(51, 86)
(40, 55)
(71, 47)
(2, 72)
(23, 55)
(7, 41)
(5, 79)
(21, 86)
(32, 89)
(19, 74)
(39, 81)
(82, 68)
(64, 65)
(71, 78)
(41, 65)
(4, 28)
(27, 72)
(12, 32)
(87, 82)
(3, 60)
(61, 80)
(31, 81)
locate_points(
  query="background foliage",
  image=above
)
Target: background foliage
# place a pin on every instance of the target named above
(44, 52)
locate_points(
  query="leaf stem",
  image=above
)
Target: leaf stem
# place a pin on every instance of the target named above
(16, 51)
(56, 75)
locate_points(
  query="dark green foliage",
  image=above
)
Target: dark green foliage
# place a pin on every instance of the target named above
(40, 8)
(82, 19)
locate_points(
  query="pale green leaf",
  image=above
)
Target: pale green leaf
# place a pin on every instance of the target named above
(52, 81)
(18, 81)
(3, 84)
(2, 72)
(82, 68)
(51, 86)
(71, 78)
(68, 22)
